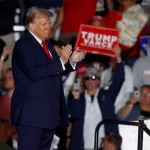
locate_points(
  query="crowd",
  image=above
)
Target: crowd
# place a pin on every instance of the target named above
(101, 87)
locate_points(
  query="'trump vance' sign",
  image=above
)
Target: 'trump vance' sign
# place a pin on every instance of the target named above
(97, 40)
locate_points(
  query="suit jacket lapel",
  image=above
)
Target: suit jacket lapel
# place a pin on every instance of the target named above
(52, 50)
(38, 47)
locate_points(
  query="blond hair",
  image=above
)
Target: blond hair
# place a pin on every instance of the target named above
(36, 14)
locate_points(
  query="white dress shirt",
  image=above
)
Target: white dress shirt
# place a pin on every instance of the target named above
(14, 144)
(92, 117)
(40, 41)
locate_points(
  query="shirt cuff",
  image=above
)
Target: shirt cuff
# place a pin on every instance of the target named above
(63, 66)
(73, 66)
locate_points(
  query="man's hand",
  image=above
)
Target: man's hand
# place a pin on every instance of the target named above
(77, 57)
(6, 51)
(66, 52)
(133, 99)
(117, 51)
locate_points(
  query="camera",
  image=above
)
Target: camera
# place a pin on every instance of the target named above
(76, 85)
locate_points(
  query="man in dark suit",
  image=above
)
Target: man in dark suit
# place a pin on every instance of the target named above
(38, 104)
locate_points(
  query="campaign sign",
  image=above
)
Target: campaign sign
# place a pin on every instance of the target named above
(97, 40)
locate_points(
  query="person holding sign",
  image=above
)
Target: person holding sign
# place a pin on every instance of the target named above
(97, 40)
(94, 105)
(131, 20)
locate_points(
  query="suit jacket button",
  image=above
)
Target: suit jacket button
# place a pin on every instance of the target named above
(57, 72)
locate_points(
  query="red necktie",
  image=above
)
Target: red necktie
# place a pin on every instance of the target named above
(46, 50)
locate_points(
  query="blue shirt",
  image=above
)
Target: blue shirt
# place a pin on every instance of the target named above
(133, 115)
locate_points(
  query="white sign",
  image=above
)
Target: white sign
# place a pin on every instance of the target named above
(130, 137)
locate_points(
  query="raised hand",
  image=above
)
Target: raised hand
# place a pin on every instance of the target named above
(66, 52)
(6, 51)
(117, 51)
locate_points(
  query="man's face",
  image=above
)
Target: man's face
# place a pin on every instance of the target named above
(41, 27)
(145, 99)
(91, 81)
(8, 80)
(97, 23)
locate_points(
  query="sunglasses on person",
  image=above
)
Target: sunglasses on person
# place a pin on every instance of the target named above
(90, 78)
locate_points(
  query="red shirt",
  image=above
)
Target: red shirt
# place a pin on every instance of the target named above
(77, 12)
(110, 22)
(5, 102)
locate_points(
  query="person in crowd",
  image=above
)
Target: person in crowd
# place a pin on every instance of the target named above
(129, 37)
(96, 21)
(78, 85)
(80, 9)
(38, 104)
(127, 87)
(105, 6)
(141, 70)
(112, 141)
(137, 106)
(5, 51)
(92, 106)
(83, 11)
(5, 100)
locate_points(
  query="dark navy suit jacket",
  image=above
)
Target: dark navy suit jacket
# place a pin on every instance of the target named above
(106, 100)
(38, 98)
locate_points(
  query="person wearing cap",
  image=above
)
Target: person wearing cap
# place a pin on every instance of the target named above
(93, 106)
(38, 104)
